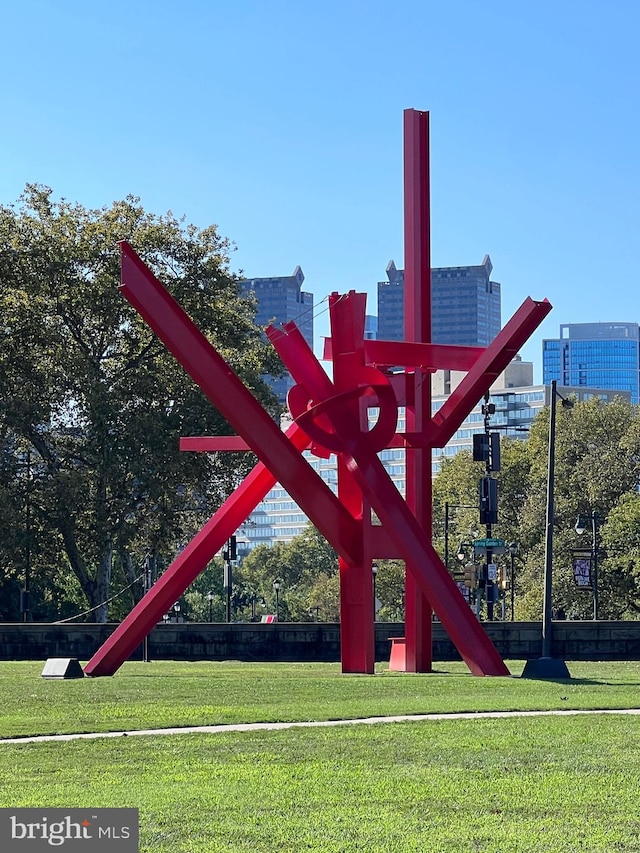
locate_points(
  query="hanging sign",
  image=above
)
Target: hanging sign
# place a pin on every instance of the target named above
(582, 569)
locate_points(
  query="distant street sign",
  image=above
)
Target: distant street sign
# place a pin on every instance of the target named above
(488, 543)
(481, 546)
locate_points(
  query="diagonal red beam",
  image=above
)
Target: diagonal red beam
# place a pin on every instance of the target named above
(486, 369)
(412, 543)
(426, 567)
(306, 362)
(183, 338)
(121, 644)
(242, 411)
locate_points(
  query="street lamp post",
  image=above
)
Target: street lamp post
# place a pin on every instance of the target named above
(210, 598)
(513, 550)
(25, 606)
(227, 580)
(276, 589)
(374, 574)
(149, 565)
(581, 526)
(546, 666)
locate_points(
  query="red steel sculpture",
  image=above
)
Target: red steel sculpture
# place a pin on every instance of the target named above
(334, 416)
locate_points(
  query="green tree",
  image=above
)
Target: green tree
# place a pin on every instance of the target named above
(257, 572)
(96, 401)
(619, 574)
(307, 570)
(596, 467)
(390, 581)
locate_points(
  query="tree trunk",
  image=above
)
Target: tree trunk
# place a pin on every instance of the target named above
(100, 592)
(134, 575)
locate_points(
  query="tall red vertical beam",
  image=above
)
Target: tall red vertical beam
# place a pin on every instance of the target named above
(357, 631)
(417, 328)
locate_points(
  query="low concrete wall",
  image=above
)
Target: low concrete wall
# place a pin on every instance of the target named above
(305, 641)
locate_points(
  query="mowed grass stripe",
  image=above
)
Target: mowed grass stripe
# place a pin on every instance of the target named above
(169, 694)
(525, 784)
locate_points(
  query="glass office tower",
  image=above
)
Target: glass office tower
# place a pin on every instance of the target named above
(595, 355)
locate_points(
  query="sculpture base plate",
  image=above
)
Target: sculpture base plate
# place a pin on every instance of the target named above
(551, 668)
(62, 668)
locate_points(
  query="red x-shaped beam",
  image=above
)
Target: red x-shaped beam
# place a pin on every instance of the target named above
(281, 455)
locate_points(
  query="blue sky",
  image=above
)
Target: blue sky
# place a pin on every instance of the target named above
(281, 122)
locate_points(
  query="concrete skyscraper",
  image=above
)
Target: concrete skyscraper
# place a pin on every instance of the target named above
(281, 299)
(465, 305)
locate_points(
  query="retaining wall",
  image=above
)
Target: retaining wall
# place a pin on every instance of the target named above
(307, 641)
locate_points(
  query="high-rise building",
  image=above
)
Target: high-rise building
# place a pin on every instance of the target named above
(465, 305)
(370, 327)
(595, 355)
(281, 299)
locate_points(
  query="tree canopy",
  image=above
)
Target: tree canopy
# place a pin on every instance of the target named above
(307, 568)
(91, 404)
(597, 470)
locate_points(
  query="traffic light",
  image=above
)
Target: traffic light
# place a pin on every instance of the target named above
(486, 448)
(231, 551)
(495, 451)
(481, 447)
(470, 576)
(488, 494)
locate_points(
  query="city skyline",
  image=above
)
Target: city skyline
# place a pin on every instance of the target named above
(282, 123)
(396, 276)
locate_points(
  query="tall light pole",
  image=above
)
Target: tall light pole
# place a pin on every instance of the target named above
(546, 666)
(149, 565)
(513, 550)
(374, 574)
(228, 555)
(25, 605)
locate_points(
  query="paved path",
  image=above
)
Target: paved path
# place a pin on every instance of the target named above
(270, 727)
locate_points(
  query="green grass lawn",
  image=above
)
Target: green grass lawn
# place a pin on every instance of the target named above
(541, 784)
(165, 694)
